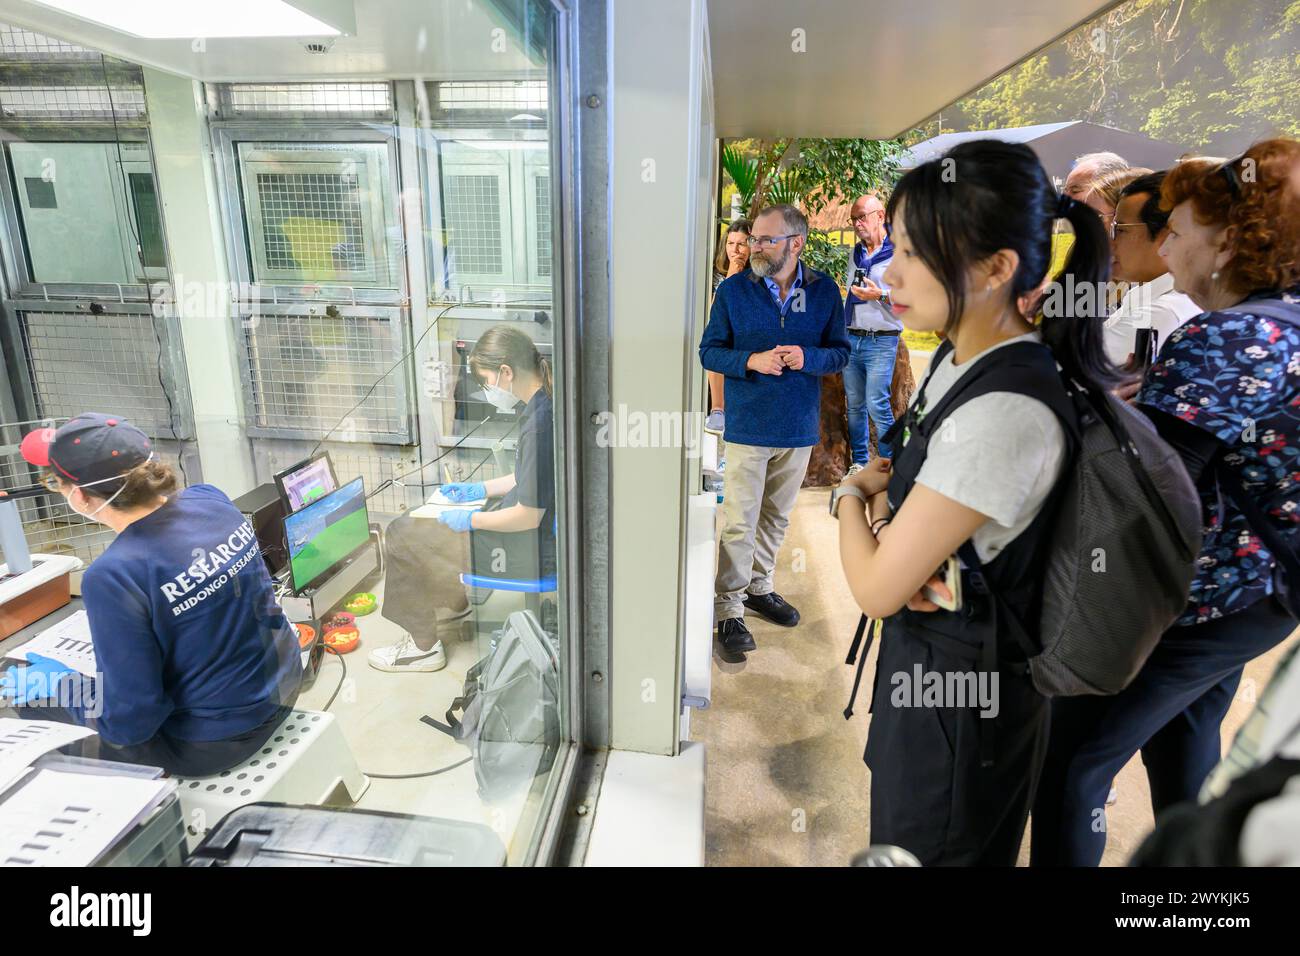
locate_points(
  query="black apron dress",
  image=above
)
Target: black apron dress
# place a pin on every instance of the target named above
(948, 784)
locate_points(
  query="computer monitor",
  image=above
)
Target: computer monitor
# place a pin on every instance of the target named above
(306, 481)
(264, 508)
(324, 534)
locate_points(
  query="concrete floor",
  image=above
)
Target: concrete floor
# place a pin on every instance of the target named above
(379, 714)
(786, 785)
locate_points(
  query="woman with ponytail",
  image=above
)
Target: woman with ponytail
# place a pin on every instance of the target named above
(425, 557)
(958, 731)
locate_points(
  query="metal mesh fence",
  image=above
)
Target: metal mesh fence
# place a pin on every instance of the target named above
(492, 95)
(50, 525)
(71, 102)
(28, 45)
(542, 222)
(336, 100)
(306, 372)
(322, 219)
(79, 362)
(311, 222)
(473, 211)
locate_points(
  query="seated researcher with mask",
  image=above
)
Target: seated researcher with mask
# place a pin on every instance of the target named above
(197, 664)
(424, 557)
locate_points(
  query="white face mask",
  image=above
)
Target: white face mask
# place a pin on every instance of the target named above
(107, 501)
(503, 400)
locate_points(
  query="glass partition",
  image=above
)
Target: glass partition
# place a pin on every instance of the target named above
(329, 300)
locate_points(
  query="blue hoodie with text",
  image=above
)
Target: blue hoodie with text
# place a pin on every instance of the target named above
(189, 639)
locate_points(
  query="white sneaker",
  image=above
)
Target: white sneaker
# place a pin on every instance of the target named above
(406, 656)
(854, 469)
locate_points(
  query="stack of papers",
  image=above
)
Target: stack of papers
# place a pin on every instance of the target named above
(67, 642)
(22, 741)
(437, 504)
(71, 819)
(438, 498)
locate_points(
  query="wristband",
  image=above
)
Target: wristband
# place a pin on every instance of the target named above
(846, 491)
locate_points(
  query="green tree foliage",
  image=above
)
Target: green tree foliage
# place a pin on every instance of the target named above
(826, 256)
(1210, 75)
(809, 173)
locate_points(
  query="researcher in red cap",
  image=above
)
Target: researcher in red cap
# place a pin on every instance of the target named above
(197, 664)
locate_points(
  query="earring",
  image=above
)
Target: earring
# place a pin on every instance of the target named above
(1214, 276)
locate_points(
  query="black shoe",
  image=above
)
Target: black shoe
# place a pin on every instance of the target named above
(773, 607)
(735, 637)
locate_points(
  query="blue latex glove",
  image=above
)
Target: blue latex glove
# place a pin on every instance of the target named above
(37, 681)
(458, 519)
(462, 491)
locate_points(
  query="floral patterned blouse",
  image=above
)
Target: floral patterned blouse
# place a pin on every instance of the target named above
(1237, 376)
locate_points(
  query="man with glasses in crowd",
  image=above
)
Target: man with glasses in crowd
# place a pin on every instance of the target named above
(873, 329)
(1136, 234)
(774, 331)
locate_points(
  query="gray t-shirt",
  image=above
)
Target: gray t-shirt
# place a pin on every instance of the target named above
(998, 454)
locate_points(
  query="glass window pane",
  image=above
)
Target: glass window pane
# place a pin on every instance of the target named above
(354, 386)
(474, 223)
(74, 194)
(318, 212)
(144, 200)
(495, 213)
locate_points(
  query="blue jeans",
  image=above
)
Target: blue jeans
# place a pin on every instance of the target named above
(867, 379)
(1171, 712)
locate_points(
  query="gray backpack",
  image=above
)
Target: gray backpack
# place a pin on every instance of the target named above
(509, 709)
(1130, 496)
(1123, 553)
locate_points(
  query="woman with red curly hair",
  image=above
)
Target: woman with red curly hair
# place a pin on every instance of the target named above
(1225, 392)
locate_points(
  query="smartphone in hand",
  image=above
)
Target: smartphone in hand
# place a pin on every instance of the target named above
(1145, 345)
(950, 574)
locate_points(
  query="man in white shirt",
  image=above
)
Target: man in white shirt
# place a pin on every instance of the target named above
(873, 332)
(1136, 232)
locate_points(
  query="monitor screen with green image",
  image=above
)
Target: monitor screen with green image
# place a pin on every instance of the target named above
(325, 533)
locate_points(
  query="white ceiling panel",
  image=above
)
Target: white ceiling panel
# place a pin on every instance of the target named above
(868, 68)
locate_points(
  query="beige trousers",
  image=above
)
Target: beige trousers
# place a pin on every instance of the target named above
(759, 489)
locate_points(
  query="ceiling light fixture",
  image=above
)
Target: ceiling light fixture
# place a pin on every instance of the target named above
(191, 19)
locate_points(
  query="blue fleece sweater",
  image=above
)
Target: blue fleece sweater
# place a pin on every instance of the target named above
(778, 411)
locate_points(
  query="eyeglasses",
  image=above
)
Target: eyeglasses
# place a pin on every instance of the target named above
(767, 242)
(874, 212)
(1122, 225)
(52, 481)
